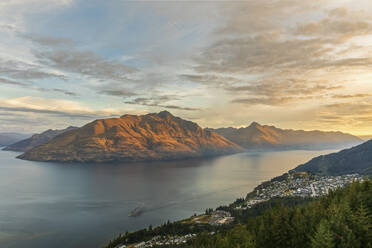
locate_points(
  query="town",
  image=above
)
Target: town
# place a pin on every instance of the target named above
(298, 184)
(162, 241)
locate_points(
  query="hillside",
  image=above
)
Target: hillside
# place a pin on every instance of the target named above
(339, 219)
(257, 136)
(10, 138)
(36, 140)
(160, 136)
(357, 159)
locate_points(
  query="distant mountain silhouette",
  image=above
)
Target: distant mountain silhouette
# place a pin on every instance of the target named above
(160, 136)
(357, 159)
(365, 137)
(10, 138)
(36, 140)
(257, 136)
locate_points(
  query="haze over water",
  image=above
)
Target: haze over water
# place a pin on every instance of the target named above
(74, 205)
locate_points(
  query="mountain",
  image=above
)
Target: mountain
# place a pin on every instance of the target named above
(36, 140)
(365, 137)
(357, 159)
(160, 136)
(10, 138)
(257, 136)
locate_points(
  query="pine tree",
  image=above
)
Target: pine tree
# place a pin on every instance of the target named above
(363, 226)
(324, 237)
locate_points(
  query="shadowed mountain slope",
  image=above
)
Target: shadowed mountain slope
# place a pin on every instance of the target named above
(357, 159)
(10, 138)
(36, 140)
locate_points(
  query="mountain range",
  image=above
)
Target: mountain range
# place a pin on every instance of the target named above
(155, 136)
(357, 159)
(10, 138)
(256, 136)
(36, 140)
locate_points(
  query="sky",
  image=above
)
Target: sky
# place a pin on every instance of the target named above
(289, 63)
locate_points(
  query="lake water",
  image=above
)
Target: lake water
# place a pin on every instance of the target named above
(80, 206)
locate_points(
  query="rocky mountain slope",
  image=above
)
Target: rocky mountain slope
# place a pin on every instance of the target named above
(357, 159)
(160, 136)
(36, 140)
(257, 136)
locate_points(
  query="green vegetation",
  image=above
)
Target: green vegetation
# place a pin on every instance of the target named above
(357, 159)
(343, 218)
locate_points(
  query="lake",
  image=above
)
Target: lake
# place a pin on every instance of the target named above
(80, 206)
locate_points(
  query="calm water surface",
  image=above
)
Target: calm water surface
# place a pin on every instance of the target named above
(80, 206)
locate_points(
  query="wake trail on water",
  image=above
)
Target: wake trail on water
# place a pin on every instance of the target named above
(149, 208)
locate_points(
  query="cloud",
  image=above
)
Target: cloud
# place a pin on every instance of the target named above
(341, 24)
(20, 70)
(264, 54)
(282, 52)
(63, 91)
(48, 41)
(15, 83)
(285, 87)
(47, 111)
(85, 63)
(351, 109)
(159, 101)
(35, 114)
(62, 54)
(328, 27)
(27, 85)
(361, 95)
(117, 92)
(55, 107)
(252, 17)
(220, 63)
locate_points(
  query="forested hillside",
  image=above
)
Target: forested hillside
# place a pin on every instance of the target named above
(343, 218)
(357, 159)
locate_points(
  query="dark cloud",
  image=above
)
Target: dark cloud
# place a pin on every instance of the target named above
(356, 109)
(49, 112)
(352, 96)
(15, 83)
(85, 63)
(23, 71)
(117, 92)
(285, 87)
(159, 101)
(47, 40)
(63, 91)
(27, 85)
(272, 101)
(210, 79)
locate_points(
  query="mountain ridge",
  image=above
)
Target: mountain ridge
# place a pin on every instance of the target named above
(154, 136)
(257, 136)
